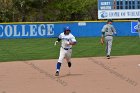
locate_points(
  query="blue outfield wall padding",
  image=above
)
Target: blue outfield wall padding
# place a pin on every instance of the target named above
(49, 30)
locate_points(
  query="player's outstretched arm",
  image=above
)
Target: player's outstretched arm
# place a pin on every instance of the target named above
(58, 40)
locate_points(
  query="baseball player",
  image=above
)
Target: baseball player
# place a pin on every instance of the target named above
(138, 27)
(67, 40)
(107, 32)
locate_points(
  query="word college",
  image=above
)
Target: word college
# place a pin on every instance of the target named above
(26, 30)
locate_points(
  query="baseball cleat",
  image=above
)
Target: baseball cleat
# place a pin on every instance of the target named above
(108, 56)
(69, 64)
(57, 73)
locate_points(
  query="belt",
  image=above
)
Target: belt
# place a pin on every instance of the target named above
(66, 48)
(108, 35)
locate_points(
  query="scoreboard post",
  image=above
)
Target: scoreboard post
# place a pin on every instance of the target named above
(118, 9)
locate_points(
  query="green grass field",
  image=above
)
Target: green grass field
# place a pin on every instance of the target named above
(33, 49)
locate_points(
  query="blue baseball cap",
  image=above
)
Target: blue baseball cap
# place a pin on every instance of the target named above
(67, 28)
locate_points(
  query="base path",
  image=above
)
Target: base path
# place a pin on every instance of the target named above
(120, 74)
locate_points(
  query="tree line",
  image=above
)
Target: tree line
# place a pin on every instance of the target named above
(47, 10)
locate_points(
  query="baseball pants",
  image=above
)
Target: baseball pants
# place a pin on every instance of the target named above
(65, 54)
(108, 40)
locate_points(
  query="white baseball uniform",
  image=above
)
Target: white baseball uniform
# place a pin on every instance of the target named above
(109, 30)
(66, 49)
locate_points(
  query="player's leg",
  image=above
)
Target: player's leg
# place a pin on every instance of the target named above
(106, 41)
(60, 60)
(109, 40)
(109, 47)
(106, 47)
(68, 57)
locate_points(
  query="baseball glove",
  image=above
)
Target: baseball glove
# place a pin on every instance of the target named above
(102, 40)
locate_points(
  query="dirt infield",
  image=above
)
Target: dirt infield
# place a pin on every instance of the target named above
(119, 74)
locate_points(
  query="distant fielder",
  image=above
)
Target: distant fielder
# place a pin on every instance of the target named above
(66, 48)
(138, 27)
(107, 32)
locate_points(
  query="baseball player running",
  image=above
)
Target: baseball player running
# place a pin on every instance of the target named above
(67, 40)
(107, 32)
